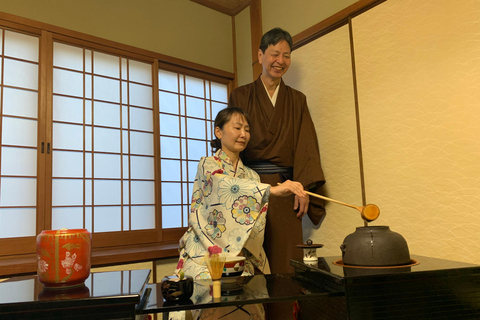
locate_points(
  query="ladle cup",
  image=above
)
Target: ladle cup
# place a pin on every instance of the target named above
(369, 212)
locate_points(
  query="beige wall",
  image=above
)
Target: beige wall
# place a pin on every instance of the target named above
(293, 16)
(417, 74)
(296, 16)
(178, 28)
(322, 70)
(244, 47)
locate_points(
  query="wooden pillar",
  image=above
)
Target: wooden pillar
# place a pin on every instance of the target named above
(234, 83)
(256, 35)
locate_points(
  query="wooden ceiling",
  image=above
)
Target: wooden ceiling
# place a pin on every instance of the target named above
(230, 7)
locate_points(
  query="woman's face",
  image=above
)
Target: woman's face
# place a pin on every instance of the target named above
(235, 135)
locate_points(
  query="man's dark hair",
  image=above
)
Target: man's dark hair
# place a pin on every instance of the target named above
(273, 37)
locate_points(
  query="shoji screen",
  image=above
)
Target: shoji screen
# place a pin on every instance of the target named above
(19, 122)
(188, 107)
(103, 158)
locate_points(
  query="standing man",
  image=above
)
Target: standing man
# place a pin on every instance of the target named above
(283, 146)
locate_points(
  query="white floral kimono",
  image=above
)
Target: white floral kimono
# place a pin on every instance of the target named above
(228, 210)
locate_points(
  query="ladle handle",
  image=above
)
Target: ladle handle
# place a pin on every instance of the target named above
(329, 199)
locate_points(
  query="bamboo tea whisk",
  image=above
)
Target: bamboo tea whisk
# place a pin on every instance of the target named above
(215, 263)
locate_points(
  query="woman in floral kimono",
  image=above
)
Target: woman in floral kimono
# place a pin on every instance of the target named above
(228, 210)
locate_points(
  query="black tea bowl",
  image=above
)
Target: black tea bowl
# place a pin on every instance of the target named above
(174, 289)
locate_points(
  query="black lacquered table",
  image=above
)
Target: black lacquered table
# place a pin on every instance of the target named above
(105, 295)
(429, 288)
(432, 289)
(251, 290)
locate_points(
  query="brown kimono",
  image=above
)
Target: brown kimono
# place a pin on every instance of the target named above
(285, 136)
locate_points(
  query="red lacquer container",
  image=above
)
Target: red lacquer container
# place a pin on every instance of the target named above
(63, 257)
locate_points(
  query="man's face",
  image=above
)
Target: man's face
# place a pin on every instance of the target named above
(276, 60)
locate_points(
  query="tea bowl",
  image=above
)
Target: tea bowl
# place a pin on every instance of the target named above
(176, 289)
(234, 267)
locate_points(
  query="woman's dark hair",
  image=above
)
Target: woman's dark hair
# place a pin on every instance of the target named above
(223, 117)
(273, 37)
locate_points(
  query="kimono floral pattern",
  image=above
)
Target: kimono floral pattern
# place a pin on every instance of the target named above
(216, 224)
(259, 226)
(195, 246)
(220, 162)
(207, 185)
(230, 189)
(197, 198)
(179, 266)
(245, 210)
(236, 239)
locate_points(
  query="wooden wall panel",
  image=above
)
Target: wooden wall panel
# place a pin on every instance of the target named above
(418, 76)
(417, 72)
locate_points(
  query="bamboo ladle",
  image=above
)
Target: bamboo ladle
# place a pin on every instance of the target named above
(369, 212)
